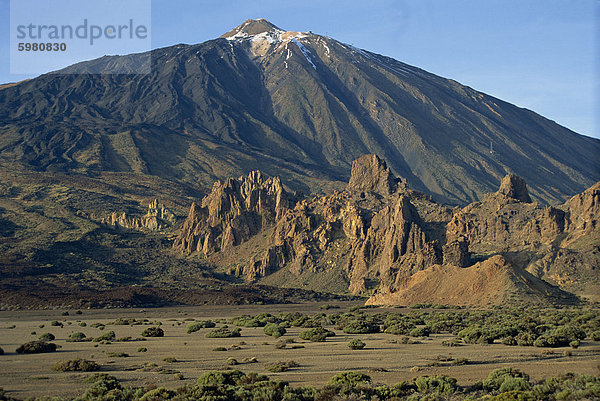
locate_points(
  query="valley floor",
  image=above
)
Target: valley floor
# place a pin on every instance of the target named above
(385, 358)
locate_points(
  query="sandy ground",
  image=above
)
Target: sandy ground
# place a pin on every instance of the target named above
(384, 359)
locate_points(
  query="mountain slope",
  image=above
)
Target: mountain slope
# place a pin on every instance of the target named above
(296, 105)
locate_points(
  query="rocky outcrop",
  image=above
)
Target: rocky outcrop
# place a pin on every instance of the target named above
(380, 237)
(513, 186)
(234, 211)
(157, 218)
(371, 174)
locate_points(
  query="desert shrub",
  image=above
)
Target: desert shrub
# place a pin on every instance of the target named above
(400, 328)
(158, 394)
(47, 337)
(497, 377)
(36, 347)
(117, 354)
(219, 378)
(349, 380)
(56, 323)
(102, 384)
(77, 336)
(476, 335)
(76, 365)
(525, 339)
(436, 384)
(128, 321)
(514, 384)
(153, 332)
(98, 326)
(356, 344)
(170, 359)
(82, 324)
(259, 320)
(220, 349)
(142, 349)
(461, 361)
(317, 334)
(108, 336)
(281, 366)
(204, 324)
(224, 332)
(551, 341)
(327, 307)
(360, 327)
(574, 344)
(570, 332)
(455, 342)
(274, 330)
(419, 332)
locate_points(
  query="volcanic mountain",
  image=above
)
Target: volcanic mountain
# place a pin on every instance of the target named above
(296, 105)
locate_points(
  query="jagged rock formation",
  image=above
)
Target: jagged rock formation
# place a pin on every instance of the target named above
(235, 210)
(371, 174)
(379, 237)
(158, 217)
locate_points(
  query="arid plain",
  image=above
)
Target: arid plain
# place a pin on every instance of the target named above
(385, 357)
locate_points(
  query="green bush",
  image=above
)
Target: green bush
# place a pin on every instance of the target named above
(154, 331)
(142, 349)
(356, 344)
(108, 336)
(36, 347)
(514, 384)
(117, 354)
(476, 335)
(360, 327)
(525, 339)
(400, 328)
(76, 365)
(224, 332)
(281, 366)
(419, 332)
(219, 378)
(47, 337)
(436, 384)
(56, 323)
(497, 377)
(157, 394)
(317, 334)
(77, 336)
(349, 380)
(205, 324)
(274, 330)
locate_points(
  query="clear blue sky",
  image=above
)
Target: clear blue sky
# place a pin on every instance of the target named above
(538, 54)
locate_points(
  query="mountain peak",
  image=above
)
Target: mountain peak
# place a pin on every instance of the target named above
(251, 27)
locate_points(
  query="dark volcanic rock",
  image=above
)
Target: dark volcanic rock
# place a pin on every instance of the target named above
(295, 105)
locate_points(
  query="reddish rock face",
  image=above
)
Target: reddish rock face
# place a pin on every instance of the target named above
(234, 211)
(378, 235)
